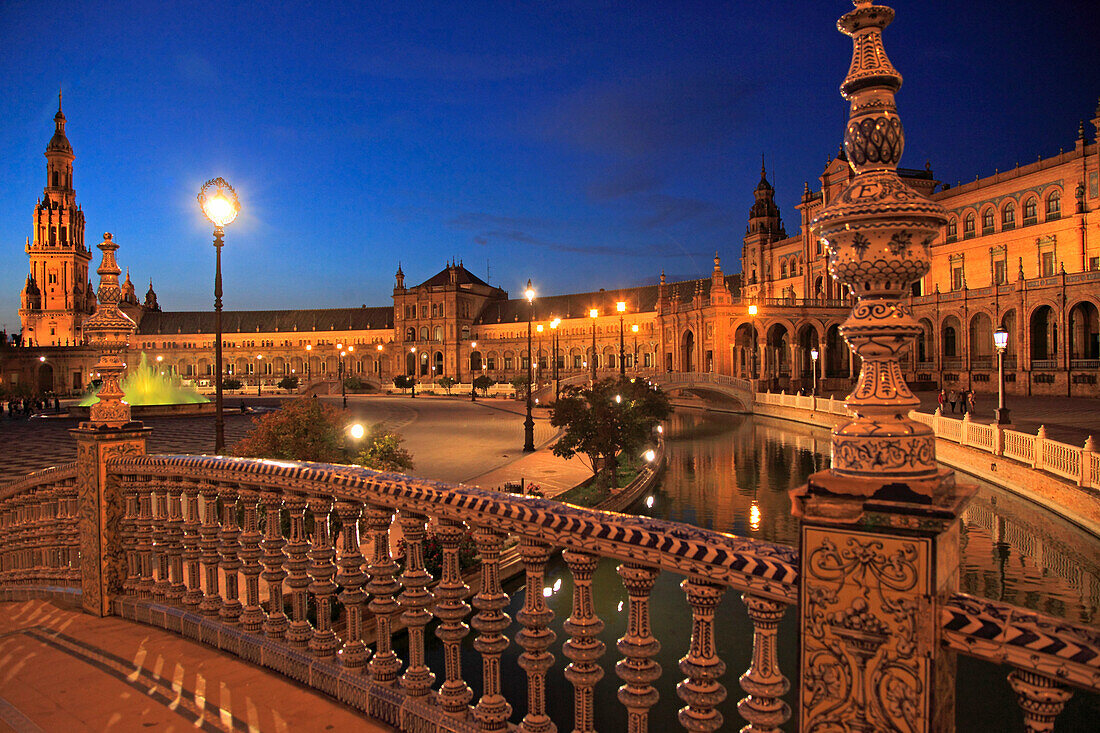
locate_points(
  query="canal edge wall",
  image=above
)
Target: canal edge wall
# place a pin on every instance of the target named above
(1069, 501)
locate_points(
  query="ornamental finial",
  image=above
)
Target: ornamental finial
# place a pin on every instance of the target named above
(109, 331)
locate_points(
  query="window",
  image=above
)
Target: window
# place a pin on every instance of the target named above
(1094, 263)
(968, 226)
(987, 221)
(423, 333)
(1000, 272)
(647, 359)
(1054, 205)
(507, 362)
(577, 361)
(424, 311)
(439, 333)
(1094, 185)
(543, 362)
(435, 310)
(491, 362)
(1008, 220)
(952, 230)
(1046, 264)
(410, 334)
(1030, 211)
(958, 279)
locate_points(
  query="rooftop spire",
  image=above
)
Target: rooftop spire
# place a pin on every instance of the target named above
(58, 99)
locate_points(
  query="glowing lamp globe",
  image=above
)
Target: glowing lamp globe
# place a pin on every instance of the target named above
(219, 202)
(620, 306)
(357, 431)
(752, 310)
(1000, 339)
(594, 313)
(529, 293)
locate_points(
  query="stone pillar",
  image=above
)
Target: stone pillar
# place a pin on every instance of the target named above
(879, 535)
(109, 433)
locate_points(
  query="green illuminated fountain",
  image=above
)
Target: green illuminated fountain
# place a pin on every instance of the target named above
(146, 385)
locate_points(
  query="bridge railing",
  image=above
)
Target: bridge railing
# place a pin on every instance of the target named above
(263, 559)
(827, 405)
(677, 378)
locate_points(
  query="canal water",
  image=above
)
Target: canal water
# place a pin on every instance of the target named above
(731, 473)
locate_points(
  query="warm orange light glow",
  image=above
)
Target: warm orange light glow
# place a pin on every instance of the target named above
(634, 328)
(529, 293)
(555, 323)
(621, 306)
(752, 310)
(539, 328)
(219, 205)
(593, 313)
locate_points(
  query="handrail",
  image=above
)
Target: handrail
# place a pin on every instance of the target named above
(47, 476)
(763, 568)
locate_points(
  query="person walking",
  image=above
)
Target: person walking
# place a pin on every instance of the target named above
(970, 399)
(942, 399)
(952, 398)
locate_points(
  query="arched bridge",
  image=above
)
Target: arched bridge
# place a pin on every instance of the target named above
(737, 389)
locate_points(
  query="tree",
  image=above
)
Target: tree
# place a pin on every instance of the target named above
(402, 382)
(483, 382)
(354, 384)
(231, 383)
(606, 419)
(304, 429)
(446, 383)
(288, 383)
(520, 384)
(382, 451)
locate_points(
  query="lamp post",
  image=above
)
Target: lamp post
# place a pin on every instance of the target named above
(813, 365)
(220, 206)
(634, 330)
(259, 373)
(752, 312)
(594, 314)
(473, 374)
(621, 307)
(1000, 341)
(529, 421)
(538, 366)
(412, 377)
(379, 349)
(554, 348)
(309, 366)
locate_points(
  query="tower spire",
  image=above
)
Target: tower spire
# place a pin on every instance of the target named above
(58, 99)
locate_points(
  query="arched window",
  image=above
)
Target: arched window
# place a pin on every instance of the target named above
(56, 180)
(952, 229)
(782, 269)
(410, 334)
(1054, 205)
(987, 221)
(423, 333)
(968, 225)
(1030, 211)
(438, 336)
(1008, 219)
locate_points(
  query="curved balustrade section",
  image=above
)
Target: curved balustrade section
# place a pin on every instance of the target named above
(39, 536)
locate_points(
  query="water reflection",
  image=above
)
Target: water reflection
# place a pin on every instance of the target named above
(732, 473)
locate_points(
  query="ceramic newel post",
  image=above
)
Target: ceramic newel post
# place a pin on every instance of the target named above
(879, 530)
(109, 433)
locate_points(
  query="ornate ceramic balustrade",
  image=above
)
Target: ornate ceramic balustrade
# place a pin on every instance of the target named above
(252, 557)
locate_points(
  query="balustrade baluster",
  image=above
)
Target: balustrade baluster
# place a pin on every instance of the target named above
(638, 645)
(535, 637)
(350, 577)
(1040, 697)
(128, 533)
(145, 539)
(6, 541)
(252, 617)
(174, 541)
(382, 587)
(275, 625)
(228, 547)
(160, 539)
(451, 610)
(492, 710)
(415, 600)
(299, 631)
(582, 646)
(764, 684)
(324, 642)
(208, 542)
(52, 535)
(192, 598)
(701, 690)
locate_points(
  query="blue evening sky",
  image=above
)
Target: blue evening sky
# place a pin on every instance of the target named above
(581, 144)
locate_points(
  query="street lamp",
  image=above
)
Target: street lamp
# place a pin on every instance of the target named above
(529, 421)
(594, 314)
(220, 205)
(379, 348)
(538, 366)
(554, 355)
(340, 373)
(309, 366)
(259, 373)
(621, 307)
(752, 312)
(634, 330)
(1000, 341)
(412, 377)
(473, 394)
(813, 362)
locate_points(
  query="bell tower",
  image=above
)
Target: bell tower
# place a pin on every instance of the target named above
(765, 228)
(58, 258)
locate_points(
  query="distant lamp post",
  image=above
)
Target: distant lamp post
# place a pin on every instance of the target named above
(538, 355)
(621, 307)
(309, 365)
(813, 365)
(529, 421)
(412, 377)
(380, 350)
(340, 373)
(593, 314)
(220, 206)
(259, 374)
(554, 355)
(473, 374)
(634, 330)
(1000, 341)
(752, 312)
